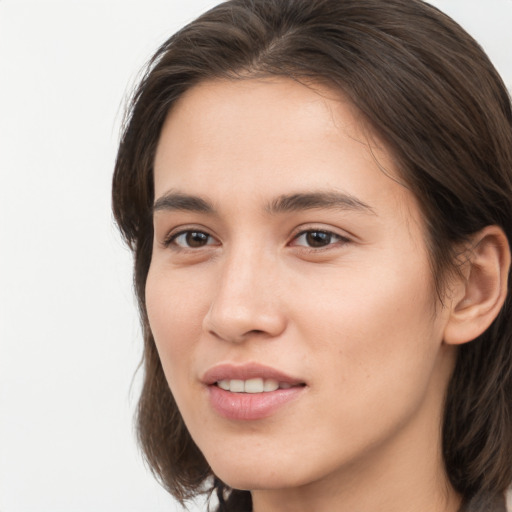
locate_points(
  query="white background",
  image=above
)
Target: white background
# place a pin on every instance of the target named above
(69, 336)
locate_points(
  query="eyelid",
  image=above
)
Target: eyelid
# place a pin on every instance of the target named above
(339, 237)
(171, 236)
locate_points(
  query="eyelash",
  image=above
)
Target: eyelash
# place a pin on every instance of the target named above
(171, 240)
(173, 237)
(333, 239)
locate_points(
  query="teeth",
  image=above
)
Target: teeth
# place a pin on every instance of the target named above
(270, 385)
(237, 386)
(223, 384)
(256, 385)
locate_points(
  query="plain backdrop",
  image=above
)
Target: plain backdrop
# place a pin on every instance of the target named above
(69, 336)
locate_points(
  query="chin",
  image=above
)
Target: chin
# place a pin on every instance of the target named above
(266, 474)
(249, 481)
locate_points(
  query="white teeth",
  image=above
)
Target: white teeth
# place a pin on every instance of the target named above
(236, 386)
(256, 385)
(223, 384)
(270, 385)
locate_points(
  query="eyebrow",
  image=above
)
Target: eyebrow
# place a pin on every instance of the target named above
(312, 200)
(177, 201)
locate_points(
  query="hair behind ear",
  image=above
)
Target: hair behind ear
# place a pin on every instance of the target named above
(487, 502)
(477, 438)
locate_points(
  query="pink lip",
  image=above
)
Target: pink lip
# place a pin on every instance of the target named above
(249, 406)
(246, 371)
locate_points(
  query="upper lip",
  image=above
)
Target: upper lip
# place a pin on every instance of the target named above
(230, 371)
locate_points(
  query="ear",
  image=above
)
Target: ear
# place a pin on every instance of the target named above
(478, 296)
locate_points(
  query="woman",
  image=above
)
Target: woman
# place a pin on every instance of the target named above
(318, 197)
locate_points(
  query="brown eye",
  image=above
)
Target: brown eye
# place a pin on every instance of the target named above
(318, 239)
(192, 239)
(196, 239)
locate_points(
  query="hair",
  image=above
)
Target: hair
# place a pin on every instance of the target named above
(431, 94)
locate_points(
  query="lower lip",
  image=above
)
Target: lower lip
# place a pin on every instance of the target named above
(251, 406)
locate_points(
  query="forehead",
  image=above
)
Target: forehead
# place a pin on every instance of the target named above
(236, 141)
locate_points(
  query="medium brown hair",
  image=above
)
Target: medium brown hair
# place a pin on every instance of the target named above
(431, 94)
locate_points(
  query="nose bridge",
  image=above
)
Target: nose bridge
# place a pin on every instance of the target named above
(246, 301)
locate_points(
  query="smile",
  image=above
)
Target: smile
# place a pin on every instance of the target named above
(256, 385)
(250, 391)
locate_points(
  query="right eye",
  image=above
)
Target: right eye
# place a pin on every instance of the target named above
(191, 239)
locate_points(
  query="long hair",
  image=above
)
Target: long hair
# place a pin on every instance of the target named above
(431, 94)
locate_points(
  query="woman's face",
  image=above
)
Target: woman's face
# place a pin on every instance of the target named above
(289, 291)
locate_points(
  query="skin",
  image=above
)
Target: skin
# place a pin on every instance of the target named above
(355, 319)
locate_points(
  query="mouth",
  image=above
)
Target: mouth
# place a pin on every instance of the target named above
(249, 378)
(250, 391)
(255, 385)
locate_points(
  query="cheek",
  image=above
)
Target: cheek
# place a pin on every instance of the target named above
(175, 312)
(378, 323)
(373, 354)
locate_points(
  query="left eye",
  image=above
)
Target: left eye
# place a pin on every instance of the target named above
(317, 239)
(192, 239)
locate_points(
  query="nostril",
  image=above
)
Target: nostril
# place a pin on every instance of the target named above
(254, 333)
(237, 322)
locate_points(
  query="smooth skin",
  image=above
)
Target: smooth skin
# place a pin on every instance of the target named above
(331, 286)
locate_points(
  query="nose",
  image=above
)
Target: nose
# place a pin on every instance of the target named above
(246, 303)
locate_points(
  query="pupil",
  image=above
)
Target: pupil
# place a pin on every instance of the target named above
(196, 239)
(318, 239)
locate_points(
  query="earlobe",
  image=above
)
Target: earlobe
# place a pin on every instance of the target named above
(479, 296)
